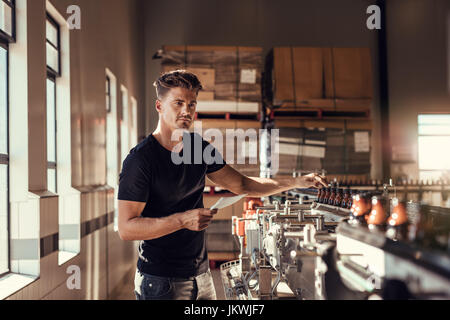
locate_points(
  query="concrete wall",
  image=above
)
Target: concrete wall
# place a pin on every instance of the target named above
(111, 36)
(264, 23)
(418, 62)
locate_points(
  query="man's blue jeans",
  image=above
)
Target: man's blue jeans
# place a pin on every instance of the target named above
(149, 287)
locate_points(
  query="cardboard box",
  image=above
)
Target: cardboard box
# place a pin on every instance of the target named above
(237, 70)
(302, 76)
(353, 104)
(308, 66)
(205, 96)
(315, 77)
(215, 124)
(205, 75)
(282, 75)
(352, 73)
(247, 124)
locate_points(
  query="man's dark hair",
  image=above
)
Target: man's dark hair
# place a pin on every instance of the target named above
(176, 79)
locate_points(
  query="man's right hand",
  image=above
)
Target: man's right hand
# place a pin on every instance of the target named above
(197, 219)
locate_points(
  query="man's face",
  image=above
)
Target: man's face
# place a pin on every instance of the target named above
(177, 108)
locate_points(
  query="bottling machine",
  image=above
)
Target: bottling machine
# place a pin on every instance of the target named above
(337, 243)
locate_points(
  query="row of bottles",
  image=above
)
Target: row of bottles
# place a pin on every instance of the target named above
(336, 197)
(425, 226)
(378, 212)
(406, 183)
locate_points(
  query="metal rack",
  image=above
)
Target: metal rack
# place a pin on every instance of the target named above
(234, 284)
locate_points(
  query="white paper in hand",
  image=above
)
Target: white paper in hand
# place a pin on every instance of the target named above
(227, 201)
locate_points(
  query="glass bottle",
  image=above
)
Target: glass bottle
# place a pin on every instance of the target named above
(345, 198)
(338, 199)
(327, 195)
(320, 194)
(332, 196)
(361, 206)
(378, 214)
(350, 198)
(397, 223)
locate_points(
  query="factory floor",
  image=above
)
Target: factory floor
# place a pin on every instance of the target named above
(126, 290)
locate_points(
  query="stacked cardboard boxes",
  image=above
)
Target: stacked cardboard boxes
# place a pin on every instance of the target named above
(300, 149)
(334, 161)
(326, 79)
(342, 148)
(338, 78)
(240, 153)
(358, 152)
(231, 76)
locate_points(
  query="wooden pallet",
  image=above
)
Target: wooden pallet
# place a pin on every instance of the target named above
(338, 104)
(349, 124)
(320, 113)
(228, 124)
(227, 115)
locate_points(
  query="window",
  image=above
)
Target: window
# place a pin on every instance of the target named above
(53, 46)
(112, 152)
(7, 20)
(53, 71)
(111, 130)
(108, 94)
(7, 35)
(59, 134)
(4, 160)
(124, 126)
(51, 134)
(434, 146)
(133, 123)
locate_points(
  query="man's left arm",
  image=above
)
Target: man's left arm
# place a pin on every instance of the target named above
(232, 180)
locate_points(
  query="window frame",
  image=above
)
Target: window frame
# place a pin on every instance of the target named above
(51, 164)
(57, 48)
(4, 159)
(108, 94)
(4, 35)
(52, 75)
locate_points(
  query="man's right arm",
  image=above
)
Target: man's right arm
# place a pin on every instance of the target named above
(134, 227)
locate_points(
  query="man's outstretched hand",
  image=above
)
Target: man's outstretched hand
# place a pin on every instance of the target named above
(312, 180)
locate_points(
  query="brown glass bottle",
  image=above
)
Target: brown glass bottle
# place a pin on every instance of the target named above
(320, 194)
(339, 197)
(378, 214)
(350, 199)
(327, 195)
(397, 224)
(345, 198)
(332, 196)
(361, 207)
(323, 191)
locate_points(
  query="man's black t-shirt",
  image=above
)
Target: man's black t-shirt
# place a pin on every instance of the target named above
(150, 175)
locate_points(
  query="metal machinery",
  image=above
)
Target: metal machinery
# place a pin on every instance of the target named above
(340, 244)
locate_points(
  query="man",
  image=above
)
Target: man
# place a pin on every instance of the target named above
(161, 203)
